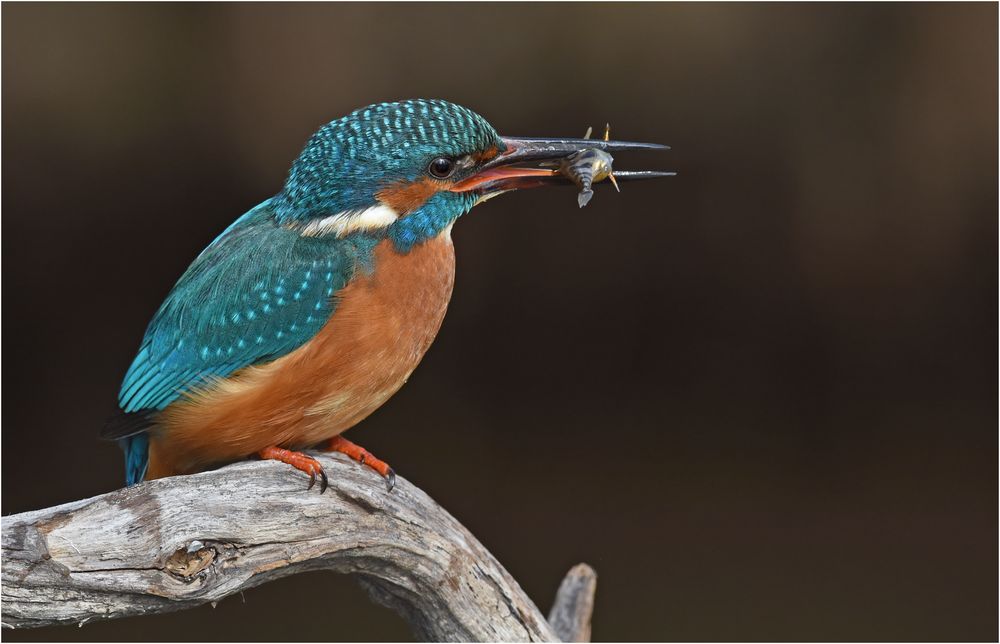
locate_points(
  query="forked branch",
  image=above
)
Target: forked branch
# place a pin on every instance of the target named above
(177, 543)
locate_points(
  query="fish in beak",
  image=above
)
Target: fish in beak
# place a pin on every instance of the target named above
(533, 163)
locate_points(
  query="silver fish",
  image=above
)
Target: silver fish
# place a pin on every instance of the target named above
(587, 167)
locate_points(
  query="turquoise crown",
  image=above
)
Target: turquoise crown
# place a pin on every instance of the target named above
(350, 159)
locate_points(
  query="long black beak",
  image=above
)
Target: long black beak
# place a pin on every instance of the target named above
(517, 166)
(522, 150)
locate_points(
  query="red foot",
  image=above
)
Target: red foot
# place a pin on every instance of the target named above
(363, 456)
(299, 461)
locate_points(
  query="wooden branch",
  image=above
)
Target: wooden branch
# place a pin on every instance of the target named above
(574, 604)
(180, 542)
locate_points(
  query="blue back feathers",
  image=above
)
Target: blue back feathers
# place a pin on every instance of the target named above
(257, 293)
(136, 450)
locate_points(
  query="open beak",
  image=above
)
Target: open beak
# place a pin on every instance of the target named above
(519, 166)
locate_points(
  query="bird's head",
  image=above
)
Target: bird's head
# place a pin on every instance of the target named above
(407, 170)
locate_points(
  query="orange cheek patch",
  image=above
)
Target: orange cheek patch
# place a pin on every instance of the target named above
(486, 155)
(405, 197)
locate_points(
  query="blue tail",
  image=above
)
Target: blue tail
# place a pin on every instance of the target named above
(136, 448)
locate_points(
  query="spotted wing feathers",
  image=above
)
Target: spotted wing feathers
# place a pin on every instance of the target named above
(257, 293)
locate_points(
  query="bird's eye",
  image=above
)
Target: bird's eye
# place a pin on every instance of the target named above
(441, 167)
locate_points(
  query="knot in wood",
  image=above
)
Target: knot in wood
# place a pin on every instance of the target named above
(187, 561)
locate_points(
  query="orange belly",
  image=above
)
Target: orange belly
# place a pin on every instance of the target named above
(381, 328)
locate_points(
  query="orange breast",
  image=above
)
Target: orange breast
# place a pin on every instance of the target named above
(381, 328)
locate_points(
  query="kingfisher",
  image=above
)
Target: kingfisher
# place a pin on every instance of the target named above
(312, 309)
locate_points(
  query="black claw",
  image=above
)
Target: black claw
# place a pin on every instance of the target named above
(362, 459)
(324, 483)
(390, 479)
(312, 480)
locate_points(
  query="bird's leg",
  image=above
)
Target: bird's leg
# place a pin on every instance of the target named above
(363, 456)
(299, 461)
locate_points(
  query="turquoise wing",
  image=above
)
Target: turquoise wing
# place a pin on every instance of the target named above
(256, 293)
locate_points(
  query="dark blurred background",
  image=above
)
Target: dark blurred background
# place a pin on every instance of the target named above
(760, 398)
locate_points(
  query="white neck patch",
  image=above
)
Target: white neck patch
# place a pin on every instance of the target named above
(351, 221)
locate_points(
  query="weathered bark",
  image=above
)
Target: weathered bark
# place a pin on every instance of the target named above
(176, 543)
(574, 604)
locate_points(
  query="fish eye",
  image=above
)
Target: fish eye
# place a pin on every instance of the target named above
(441, 167)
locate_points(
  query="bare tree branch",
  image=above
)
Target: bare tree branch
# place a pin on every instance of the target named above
(177, 543)
(574, 604)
